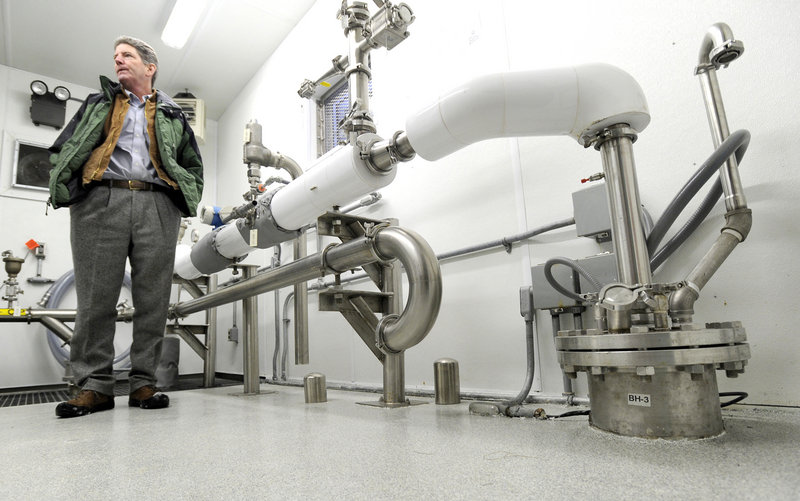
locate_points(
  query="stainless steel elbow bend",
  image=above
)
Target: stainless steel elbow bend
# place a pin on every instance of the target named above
(398, 333)
(718, 49)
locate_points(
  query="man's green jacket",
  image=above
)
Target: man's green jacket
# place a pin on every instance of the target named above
(177, 147)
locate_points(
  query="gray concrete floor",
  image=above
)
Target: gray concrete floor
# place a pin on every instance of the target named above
(218, 444)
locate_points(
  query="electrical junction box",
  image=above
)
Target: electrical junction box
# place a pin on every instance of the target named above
(590, 209)
(602, 267)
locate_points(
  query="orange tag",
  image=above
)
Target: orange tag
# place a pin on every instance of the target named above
(31, 244)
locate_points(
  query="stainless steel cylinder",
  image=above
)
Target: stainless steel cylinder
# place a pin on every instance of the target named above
(394, 379)
(667, 404)
(314, 388)
(630, 245)
(446, 381)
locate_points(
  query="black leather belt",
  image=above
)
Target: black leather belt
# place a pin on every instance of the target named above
(131, 184)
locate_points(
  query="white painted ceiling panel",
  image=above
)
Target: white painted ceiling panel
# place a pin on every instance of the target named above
(73, 41)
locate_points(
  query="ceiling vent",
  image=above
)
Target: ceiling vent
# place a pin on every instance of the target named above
(195, 111)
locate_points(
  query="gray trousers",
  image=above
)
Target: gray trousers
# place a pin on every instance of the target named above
(107, 228)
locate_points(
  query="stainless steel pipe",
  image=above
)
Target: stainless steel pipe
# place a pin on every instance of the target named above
(36, 314)
(300, 307)
(210, 359)
(424, 288)
(398, 332)
(314, 266)
(58, 328)
(718, 122)
(630, 245)
(250, 338)
(737, 227)
(718, 49)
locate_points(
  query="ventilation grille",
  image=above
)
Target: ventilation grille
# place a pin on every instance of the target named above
(195, 111)
(33, 397)
(121, 388)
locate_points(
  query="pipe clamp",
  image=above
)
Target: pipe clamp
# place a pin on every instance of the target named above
(380, 339)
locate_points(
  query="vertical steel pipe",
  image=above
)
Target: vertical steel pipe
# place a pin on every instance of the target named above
(394, 378)
(358, 70)
(718, 49)
(394, 381)
(277, 317)
(210, 360)
(300, 307)
(630, 245)
(718, 122)
(250, 337)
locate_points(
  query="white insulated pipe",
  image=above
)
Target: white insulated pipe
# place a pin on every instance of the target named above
(578, 101)
(338, 177)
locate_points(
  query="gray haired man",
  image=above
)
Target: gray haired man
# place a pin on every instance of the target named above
(128, 167)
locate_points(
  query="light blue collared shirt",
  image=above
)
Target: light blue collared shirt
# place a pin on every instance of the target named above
(131, 156)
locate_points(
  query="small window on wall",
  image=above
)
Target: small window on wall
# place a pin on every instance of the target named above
(332, 110)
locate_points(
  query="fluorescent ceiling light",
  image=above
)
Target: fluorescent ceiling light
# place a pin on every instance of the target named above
(182, 21)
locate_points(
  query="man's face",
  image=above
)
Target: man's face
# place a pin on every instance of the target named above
(132, 73)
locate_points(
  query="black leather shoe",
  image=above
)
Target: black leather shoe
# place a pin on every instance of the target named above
(147, 397)
(87, 402)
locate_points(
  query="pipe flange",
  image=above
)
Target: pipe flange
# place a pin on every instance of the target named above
(613, 132)
(371, 231)
(364, 145)
(380, 340)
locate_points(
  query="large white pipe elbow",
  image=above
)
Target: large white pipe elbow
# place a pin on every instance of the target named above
(578, 102)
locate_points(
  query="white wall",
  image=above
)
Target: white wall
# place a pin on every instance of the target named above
(501, 187)
(26, 359)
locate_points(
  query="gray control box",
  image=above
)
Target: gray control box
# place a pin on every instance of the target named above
(603, 267)
(590, 207)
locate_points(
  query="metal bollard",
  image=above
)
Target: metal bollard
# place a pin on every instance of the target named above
(446, 381)
(314, 388)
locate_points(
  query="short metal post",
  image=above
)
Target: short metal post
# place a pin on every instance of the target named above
(394, 379)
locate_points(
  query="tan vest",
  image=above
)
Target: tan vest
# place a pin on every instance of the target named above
(98, 161)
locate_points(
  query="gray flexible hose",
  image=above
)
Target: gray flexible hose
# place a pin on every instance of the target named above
(694, 221)
(548, 274)
(736, 144)
(55, 293)
(526, 388)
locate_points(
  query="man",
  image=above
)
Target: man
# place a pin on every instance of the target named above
(128, 166)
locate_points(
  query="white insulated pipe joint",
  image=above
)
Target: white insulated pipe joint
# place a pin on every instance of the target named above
(338, 177)
(578, 102)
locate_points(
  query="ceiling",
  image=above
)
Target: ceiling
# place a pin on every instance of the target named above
(73, 41)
